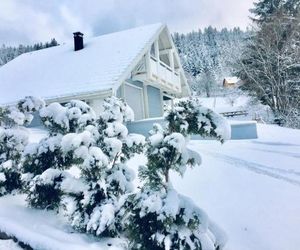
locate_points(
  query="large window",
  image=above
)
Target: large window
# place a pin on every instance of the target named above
(134, 98)
(154, 102)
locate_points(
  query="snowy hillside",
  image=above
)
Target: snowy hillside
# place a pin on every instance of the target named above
(249, 187)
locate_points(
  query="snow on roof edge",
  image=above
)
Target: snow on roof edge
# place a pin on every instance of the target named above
(78, 95)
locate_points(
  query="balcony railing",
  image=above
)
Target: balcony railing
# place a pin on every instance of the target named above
(165, 73)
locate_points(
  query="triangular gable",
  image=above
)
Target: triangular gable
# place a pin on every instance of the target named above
(163, 30)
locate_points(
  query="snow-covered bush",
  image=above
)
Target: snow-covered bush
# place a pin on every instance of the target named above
(71, 117)
(99, 148)
(54, 151)
(116, 109)
(63, 122)
(45, 189)
(48, 188)
(164, 219)
(12, 143)
(21, 113)
(38, 157)
(13, 139)
(166, 151)
(101, 200)
(190, 117)
(157, 216)
(98, 209)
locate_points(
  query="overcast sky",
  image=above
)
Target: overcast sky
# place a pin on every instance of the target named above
(28, 21)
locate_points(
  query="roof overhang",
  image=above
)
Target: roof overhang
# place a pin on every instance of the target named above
(81, 96)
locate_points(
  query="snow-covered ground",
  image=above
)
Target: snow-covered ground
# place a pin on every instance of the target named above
(239, 103)
(250, 188)
(43, 229)
(222, 104)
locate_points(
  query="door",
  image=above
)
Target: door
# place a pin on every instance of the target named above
(134, 98)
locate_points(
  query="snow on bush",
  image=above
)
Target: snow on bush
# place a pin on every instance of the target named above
(102, 200)
(189, 117)
(157, 216)
(169, 220)
(132, 144)
(38, 157)
(13, 140)
(21, 113)
(66, 124)
(99, 148)
(68, 118)
(12, 144)
(166, 152)
(47, 188)
(98, 209)
(118, 110)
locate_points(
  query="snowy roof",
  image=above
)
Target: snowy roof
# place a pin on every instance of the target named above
(61, 72)
(233, 79)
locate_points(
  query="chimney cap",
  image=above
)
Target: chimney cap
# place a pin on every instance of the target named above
(78, 33)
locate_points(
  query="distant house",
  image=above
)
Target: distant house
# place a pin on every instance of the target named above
(140, 65)
(231, 82)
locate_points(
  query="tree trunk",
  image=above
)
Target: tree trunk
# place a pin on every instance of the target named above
(167, 176)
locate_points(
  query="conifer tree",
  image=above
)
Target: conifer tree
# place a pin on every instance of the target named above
(45, 161)
(265, 9)
(158, 217)
(98, 208)
(13, 139)
(99, 149)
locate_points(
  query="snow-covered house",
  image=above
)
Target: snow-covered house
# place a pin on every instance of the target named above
(140, 65)
(232, 82)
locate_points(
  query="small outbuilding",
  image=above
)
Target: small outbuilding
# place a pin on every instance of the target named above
(229, 82)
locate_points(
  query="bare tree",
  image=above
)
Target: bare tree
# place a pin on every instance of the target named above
(270, 66)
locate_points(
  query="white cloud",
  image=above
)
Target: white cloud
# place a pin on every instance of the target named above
(20, 22)
(32, 21)
(73, 22)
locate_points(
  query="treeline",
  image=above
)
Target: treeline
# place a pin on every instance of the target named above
(266, 58)
(270, 63)
(7, 53)
(210, 55)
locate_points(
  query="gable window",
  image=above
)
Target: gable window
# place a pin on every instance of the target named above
(165, 59)
(152, 51)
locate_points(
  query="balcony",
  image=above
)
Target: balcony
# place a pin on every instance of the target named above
(159, 73)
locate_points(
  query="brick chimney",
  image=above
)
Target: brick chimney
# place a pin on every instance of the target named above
(78, 41)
